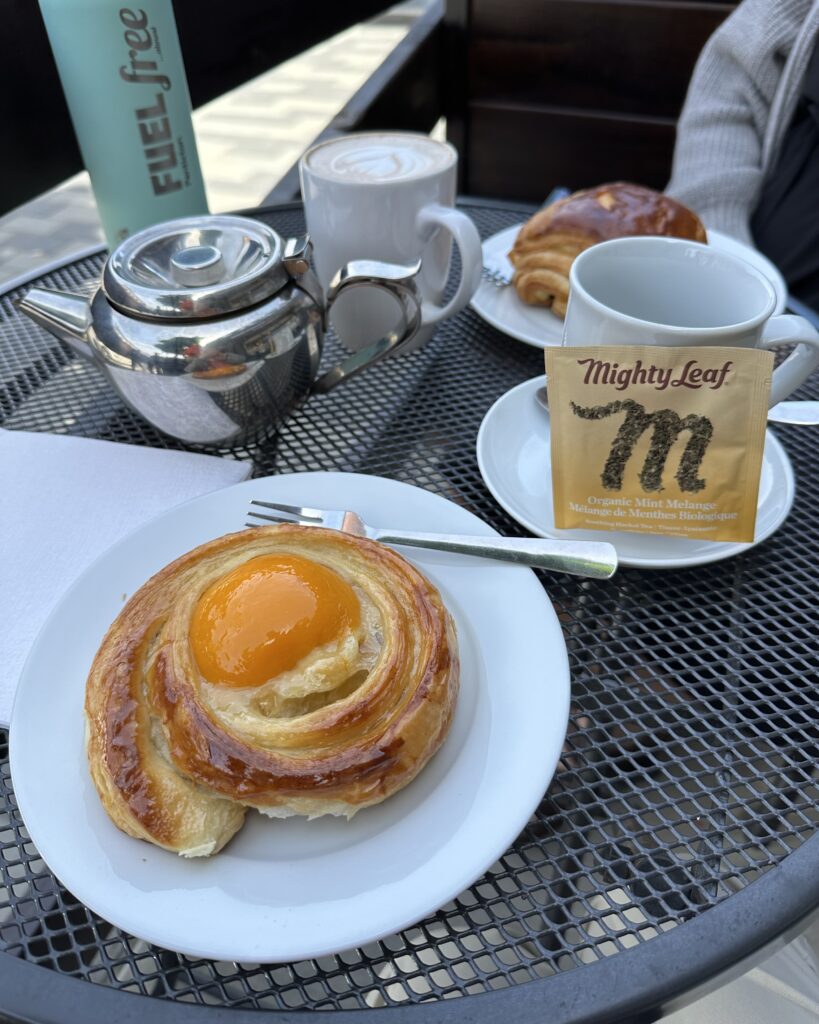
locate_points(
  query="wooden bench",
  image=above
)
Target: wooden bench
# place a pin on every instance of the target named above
(541, 92)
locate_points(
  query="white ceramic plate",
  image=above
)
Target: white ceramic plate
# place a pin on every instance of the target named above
(287, 890)
(514, 457)
(537, 326)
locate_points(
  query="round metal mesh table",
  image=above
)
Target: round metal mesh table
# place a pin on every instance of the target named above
(676, 837)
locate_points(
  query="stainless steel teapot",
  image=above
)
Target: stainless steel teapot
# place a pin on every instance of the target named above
(211, 328)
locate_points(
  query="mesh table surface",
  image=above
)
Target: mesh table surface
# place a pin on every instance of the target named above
(690, 764)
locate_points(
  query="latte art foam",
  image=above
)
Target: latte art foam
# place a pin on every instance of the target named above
(373, 158)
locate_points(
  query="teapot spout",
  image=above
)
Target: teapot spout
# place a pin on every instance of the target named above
(67, 315)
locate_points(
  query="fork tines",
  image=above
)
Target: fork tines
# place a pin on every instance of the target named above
(293, 510)
(287, 513)
(496, 276)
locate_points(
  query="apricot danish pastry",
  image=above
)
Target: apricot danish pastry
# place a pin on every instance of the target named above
(292, 669)
(548, 243)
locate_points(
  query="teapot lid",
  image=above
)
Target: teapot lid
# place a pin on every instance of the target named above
(195, 267)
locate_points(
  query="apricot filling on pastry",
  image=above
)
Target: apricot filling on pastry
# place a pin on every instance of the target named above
(266, 615)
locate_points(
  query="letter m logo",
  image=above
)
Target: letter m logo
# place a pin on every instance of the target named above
(667, 427)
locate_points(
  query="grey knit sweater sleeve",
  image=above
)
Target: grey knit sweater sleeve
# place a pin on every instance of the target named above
(724, 132)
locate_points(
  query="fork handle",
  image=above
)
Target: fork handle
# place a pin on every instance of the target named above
(597, 560)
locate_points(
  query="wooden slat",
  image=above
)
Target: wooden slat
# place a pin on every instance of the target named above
(522, 152)
(629, 57)
(454, 77)
(535, 18)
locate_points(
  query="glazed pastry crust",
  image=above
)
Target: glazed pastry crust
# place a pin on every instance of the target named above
(548, 243)
(177, 761)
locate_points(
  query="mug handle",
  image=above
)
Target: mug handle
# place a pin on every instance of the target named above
(399, 282)
(428, 220)
(800, 364)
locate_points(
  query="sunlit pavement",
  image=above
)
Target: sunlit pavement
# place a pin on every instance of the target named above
(247, 139)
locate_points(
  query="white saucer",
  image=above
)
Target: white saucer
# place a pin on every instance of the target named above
(294, 889)
(537, 326)
(514, 457)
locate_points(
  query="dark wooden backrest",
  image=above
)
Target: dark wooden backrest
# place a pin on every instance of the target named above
(569, 92)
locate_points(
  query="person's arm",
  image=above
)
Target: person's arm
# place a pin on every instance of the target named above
(717, 168)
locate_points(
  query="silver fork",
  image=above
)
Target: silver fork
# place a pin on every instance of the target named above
(495, 276)
(596, 560)
(501, 278)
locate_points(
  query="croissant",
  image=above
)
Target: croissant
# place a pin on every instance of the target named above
(548, 243)
(292, 669)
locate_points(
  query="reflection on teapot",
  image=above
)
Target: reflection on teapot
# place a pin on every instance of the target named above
(211, 328)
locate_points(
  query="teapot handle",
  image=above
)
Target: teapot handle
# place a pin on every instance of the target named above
(396, 280)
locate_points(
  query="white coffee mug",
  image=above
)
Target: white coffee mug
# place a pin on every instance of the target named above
(667, 291)
(387, 196)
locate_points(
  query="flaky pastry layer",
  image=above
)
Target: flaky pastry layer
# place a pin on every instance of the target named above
(177, 760)
(548, 243)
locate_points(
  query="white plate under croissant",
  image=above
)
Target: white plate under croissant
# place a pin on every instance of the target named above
(294, 888)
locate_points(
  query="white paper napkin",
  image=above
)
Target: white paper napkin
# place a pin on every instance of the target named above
(63, 501)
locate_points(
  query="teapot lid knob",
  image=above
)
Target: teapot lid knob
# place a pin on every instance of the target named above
(193, 267)
(197, 264)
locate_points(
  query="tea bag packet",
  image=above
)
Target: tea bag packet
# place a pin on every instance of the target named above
(658, 440)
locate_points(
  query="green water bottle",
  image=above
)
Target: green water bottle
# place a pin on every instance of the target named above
(122, 73)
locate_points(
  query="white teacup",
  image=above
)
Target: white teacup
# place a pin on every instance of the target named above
(667, 291)
(387, 196)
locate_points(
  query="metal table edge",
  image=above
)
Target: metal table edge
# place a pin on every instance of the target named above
(637, 985)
